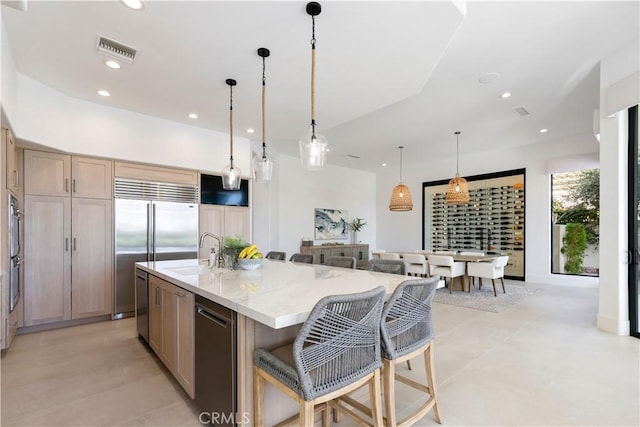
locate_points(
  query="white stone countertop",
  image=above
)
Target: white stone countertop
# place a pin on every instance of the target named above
(278, 294)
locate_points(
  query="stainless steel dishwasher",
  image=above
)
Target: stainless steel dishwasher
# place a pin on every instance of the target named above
(215, 370)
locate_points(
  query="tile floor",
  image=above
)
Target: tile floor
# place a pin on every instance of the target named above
(540, 363)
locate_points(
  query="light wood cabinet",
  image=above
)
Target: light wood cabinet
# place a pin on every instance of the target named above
(185, 361)
(92, 255)
(359, 251)
(52, 174)
(68, 262)
(47, 174)
(91, 178)
(155, 313)
(155, 173)
(47, 253)
(12, 176)
(224, 221)
(171, 329)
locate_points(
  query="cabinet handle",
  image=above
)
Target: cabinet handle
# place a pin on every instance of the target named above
(66, 244)
(16, 179)
(73, 185)
(157, 297)
(74, 243)
(66, 185)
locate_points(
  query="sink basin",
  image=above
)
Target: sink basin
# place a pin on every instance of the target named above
(192, 270)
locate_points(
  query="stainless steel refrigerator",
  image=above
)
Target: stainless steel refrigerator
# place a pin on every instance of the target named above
(153, 222)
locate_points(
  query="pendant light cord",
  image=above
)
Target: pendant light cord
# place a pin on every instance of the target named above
(457, 153)
(231, 124)
(264, 91)
(401, 147)
(313, 76)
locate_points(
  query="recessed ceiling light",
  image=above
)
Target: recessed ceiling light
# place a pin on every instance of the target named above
(103, 92)
(488, 78)
(112, 64)
(505, 95)
(384, 164)
(193, 116)
(133, 4)
(250, 130)
(544, 130)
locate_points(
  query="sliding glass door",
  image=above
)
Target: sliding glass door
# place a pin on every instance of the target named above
(634, 219)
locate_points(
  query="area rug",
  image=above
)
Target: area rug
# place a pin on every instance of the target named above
(484, 299)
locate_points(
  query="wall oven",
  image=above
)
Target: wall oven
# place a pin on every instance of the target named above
(14, 252)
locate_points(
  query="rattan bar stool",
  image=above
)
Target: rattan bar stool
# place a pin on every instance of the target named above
(277, 255)
(303, 258)
(336, 351)
(406, 333)
(341, 261)
(393, 266)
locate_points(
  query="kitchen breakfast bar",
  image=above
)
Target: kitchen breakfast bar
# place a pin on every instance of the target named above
(260, 308)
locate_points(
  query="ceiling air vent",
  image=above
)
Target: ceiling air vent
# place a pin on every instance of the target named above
(113, 49)
(521, 110)
(353, 156)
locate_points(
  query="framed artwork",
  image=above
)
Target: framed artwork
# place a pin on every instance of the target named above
(331, 224)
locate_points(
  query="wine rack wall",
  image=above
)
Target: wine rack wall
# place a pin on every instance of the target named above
(492, 222)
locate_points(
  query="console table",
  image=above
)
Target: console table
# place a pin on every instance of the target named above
(359, 251)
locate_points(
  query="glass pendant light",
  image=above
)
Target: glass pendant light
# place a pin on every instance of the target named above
(263, 165)
(458, 189)
(313, 146)
(231, 173)
(400, 195)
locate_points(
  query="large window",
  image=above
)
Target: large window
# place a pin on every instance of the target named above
(575, 228)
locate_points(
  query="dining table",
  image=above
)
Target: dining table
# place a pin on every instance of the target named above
(459, 257)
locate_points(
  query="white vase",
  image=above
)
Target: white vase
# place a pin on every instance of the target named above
(354, 237)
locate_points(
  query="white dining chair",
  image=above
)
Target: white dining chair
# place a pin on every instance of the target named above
(417, 264)
(445, 266)
(491, 269)
(376, 253)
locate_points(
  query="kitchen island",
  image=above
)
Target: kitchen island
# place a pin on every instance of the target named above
(270, 304)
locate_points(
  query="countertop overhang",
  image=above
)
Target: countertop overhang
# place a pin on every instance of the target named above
(278, 294)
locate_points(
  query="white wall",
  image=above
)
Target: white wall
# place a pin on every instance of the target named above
(619, 76)
(402, 231)
(48, 117)
(332, 187)
(8, 86)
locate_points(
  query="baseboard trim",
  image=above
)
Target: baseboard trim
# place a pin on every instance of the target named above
(614, 326)
(63, 324)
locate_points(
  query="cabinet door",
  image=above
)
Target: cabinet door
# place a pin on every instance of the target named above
(185, 341)
(12, 160)
(169, 345)
(91, 177)
(47, 265)
(212, 221)
(155, 313)
(237, 221)
(92, 254)
(47, 174)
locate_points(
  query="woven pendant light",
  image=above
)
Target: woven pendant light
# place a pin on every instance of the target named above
(400, 195)
(458, 189)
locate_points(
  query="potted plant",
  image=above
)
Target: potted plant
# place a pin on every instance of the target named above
(355, 226)
(232, 247)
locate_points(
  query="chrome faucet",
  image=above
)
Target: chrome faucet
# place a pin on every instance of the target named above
(219, 259)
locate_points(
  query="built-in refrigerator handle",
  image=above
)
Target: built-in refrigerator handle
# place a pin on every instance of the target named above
(149, 225)
(153, 232)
